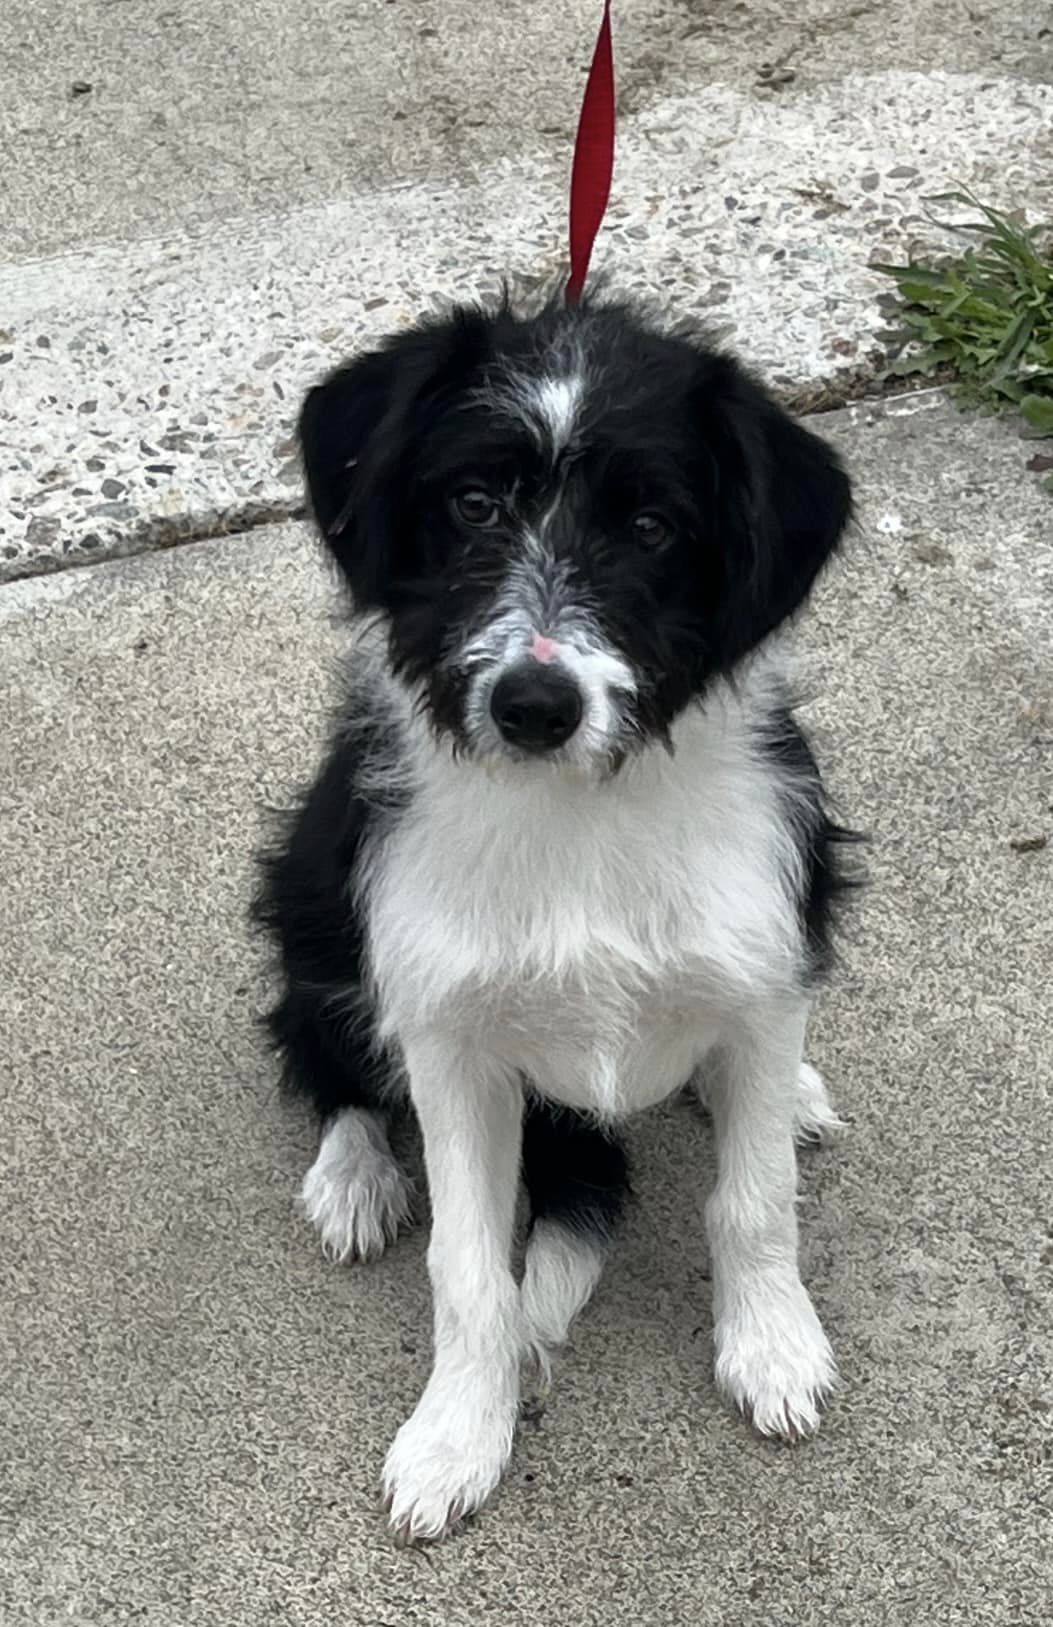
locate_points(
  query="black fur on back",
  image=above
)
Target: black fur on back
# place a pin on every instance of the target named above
(822, 842)
(323, 1026)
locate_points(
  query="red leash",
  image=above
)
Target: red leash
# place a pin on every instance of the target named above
(590, 181)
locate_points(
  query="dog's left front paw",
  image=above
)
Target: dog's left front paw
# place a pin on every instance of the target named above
(443, 1464)
(774, 1362)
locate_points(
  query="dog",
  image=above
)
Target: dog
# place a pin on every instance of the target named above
(569, 850)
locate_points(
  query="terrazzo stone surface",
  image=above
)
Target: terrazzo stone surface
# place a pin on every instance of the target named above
(196, 1406)
(148, 383)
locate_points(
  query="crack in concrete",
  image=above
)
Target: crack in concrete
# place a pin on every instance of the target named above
(155, 535)
(162, 532)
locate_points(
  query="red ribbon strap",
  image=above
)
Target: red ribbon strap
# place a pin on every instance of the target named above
(590, 181)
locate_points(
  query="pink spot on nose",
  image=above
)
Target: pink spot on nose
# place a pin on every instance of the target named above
(544, 649)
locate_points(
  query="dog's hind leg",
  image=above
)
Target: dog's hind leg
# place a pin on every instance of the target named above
(356, 1194)
(814, 1117)
(577, 1180)
(322, 1027)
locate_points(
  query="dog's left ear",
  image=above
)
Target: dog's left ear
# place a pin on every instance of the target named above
(783, 501)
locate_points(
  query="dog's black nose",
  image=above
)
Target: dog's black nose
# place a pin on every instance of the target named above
(536, 708)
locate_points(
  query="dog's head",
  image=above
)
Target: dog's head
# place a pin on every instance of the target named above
(569, 522)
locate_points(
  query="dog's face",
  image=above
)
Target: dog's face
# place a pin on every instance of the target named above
(570, 522)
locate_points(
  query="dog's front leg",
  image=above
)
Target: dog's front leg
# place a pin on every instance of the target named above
(448, 1457)
(772, 1356)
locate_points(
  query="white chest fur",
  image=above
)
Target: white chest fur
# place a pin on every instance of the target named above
(592, 936)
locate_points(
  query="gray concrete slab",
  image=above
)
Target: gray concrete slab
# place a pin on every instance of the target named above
(148, 382)
(196, 1406)
(196, 113)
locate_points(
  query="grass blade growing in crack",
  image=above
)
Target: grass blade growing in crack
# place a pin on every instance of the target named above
(984, 318)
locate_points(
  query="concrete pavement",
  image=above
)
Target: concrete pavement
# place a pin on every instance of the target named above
(195, 1406)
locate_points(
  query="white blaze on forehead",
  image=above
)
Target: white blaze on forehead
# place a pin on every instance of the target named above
(555, 403)
(548, 406)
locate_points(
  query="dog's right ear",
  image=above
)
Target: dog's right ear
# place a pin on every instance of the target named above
(359, 431)
(342, 427)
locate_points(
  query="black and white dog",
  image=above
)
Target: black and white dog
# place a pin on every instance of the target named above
(569, 850)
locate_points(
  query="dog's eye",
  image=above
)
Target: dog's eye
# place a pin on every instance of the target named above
(651, 530)
(477, 508)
